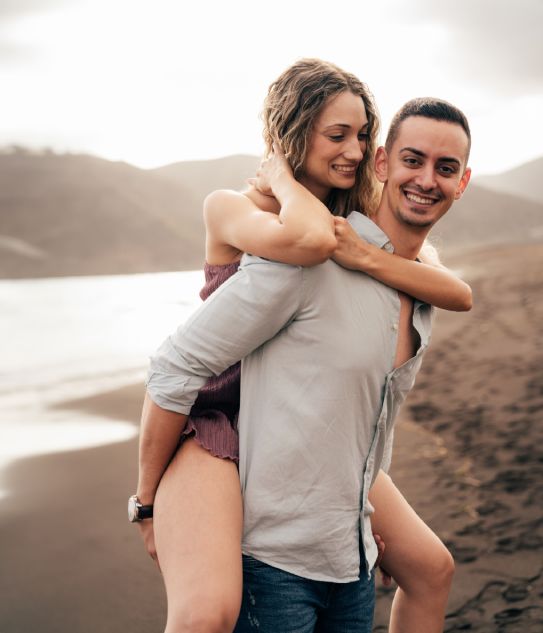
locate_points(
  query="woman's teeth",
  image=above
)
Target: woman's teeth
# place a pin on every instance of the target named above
(343, 169)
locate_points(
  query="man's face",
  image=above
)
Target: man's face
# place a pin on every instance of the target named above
(424, 172)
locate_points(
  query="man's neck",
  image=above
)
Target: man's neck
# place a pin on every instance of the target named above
(406, 240)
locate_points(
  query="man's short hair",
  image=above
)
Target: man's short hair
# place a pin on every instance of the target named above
(430, 108)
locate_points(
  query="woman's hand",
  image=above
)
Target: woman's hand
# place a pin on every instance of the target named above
(270, 171)
(148, 535)
(351, 251)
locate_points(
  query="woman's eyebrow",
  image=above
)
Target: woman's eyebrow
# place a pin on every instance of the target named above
(344, 125)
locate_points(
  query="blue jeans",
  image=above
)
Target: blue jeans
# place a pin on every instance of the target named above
(275, 601)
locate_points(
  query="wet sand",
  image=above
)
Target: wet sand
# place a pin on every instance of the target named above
(468, 457)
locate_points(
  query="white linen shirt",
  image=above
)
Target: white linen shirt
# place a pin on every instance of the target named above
(319, 394)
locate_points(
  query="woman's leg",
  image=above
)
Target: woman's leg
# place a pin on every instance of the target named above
(197, 525)
(415, 557)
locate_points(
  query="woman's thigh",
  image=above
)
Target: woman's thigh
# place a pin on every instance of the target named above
(413, 552)
(197, 524)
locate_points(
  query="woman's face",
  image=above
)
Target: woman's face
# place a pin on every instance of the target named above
(336, 146)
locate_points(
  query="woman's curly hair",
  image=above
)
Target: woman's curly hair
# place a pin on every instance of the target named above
(293, 103)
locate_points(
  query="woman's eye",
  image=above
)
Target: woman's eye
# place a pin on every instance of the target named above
(336, 138)
(363, 136)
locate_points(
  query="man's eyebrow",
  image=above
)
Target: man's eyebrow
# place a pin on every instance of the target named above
(443, 159)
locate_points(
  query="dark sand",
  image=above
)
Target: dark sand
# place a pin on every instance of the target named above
(468, 457)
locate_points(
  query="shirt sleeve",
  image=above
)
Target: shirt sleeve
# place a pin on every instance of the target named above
(260, 299)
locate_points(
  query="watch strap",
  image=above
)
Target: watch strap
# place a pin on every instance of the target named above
(145, 512)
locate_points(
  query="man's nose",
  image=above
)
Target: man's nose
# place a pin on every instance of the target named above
(426, 178)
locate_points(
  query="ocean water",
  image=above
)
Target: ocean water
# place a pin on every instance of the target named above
(74, 337)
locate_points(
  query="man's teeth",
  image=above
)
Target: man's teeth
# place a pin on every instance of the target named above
(418, 199)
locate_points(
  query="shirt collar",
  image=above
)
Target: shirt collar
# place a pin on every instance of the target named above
(367, 229)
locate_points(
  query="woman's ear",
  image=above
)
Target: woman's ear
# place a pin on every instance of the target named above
(381, 164)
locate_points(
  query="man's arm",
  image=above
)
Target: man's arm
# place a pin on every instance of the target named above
(245, 312)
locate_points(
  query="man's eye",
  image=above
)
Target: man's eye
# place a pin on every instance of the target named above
(447, 170)
(411, 162)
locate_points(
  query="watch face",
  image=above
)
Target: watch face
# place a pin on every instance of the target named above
(133, 509)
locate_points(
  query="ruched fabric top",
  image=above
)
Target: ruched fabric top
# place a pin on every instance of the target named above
(214, 416)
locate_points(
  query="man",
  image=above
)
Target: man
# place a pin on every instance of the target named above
(329, 355)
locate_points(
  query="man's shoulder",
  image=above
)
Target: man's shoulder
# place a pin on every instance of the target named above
(249, 260)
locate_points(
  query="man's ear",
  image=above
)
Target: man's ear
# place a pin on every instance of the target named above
(381, 164)
(463, 183)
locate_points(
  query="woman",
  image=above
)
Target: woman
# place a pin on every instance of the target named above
(327, 124)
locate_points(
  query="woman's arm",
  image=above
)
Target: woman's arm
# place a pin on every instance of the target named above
(281, 220)
(432, 283)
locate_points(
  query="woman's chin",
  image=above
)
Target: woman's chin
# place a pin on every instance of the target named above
(344, 183)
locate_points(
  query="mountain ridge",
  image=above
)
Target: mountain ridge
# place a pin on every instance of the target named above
(77, 214)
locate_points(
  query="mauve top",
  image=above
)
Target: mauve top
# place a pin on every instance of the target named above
(214, 416)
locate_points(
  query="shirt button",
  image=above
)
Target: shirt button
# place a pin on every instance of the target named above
(395, 326)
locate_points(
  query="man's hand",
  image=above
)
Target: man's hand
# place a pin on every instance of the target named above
(148, 535)
(270, 170)
(351, 251)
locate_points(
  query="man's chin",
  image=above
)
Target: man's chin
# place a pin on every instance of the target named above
(415, 220)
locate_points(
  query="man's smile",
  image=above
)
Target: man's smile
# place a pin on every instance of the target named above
(421, 199)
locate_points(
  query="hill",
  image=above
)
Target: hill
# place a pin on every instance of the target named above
(525, 181)
(488, 218)
(81, 215)
(203, 176)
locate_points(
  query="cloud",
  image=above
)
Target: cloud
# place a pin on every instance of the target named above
(14, 53)
(495, 44)
(12, 13)
(16, 8)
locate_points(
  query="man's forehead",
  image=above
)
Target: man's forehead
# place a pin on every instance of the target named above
(432, 138)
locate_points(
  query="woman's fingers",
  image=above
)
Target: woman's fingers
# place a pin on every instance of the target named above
(277, 149)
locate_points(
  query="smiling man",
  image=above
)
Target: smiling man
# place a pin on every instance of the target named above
(424, 169)
(328, 357)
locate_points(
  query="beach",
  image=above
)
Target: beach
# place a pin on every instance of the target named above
(470, 458)
(467, 456)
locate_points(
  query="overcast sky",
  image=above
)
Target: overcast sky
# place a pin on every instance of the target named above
(168, 80)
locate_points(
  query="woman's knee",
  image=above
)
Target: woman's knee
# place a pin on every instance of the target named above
(211, 617)
(434, 571)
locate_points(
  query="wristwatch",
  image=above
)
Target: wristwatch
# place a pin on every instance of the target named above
(137, 511)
